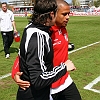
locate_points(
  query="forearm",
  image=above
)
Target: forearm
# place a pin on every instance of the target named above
(41, 79)
(14, 26)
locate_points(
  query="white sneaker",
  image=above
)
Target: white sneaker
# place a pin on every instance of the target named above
(7, 56)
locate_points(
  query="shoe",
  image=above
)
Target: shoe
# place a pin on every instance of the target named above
(7, 56)
(70, 46)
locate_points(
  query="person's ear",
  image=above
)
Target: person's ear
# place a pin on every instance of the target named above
(52, 15)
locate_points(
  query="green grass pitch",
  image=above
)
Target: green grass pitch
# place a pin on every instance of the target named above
(82, 32)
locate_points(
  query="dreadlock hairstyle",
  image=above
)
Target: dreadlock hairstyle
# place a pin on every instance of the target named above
(42, 10)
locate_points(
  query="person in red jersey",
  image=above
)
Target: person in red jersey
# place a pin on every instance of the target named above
(64, 88)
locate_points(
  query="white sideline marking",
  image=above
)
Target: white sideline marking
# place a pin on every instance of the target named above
(90, 85)
(4, 76)
(83, 47)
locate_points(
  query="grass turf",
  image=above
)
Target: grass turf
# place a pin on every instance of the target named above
(82, 31)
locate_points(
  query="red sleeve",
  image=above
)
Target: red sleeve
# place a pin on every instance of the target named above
(15, 67)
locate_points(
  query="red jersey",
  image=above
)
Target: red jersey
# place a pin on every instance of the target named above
(60, 47)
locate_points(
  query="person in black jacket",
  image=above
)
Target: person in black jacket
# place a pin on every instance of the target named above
(36, 54)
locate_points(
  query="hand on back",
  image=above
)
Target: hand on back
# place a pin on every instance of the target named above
(21, 83)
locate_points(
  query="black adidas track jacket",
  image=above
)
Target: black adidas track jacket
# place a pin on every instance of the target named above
(36, 60)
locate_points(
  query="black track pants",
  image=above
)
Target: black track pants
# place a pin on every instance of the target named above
(70, 93)
(7, 40)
